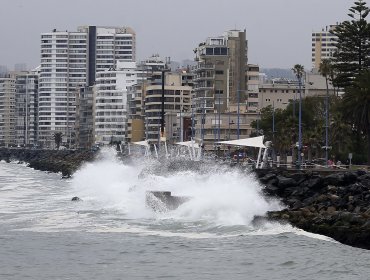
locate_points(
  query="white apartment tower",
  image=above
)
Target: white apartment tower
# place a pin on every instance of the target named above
(70, 60)
(111, 107)
(323, 45)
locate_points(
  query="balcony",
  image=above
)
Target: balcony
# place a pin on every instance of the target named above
(198, 78)
(203, 66)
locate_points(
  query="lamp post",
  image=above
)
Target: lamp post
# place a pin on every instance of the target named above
(203, 118)
(326, 123)
(192, 118)
(219, 117)
(298, 71)
(238, 129)
(300, 124)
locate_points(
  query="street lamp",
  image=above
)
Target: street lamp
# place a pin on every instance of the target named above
(298, 71)
(219, 117)
(238, 130)
(230, 123)
(238, 120)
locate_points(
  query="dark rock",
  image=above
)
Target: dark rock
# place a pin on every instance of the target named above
(336, 179)
(284, 182)
(362, 172)
(271, 190)
(76, 198)
(162, 201)
(350, 177)
(336, 205)
(313, 183)
(265, 179)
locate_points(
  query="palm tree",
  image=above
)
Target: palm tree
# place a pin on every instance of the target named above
(58, 137)
(325, 70)
(356, 106)
(298, 71)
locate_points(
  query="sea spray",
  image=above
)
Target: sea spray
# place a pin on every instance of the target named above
(219, 195)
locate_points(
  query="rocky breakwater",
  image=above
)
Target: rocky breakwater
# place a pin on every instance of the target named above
(64, 161)
(331, 203)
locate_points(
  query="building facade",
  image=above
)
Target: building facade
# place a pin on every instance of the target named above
(7, 111)
(220, 82)
(323, 45)
(111, 104)
(177, 97)
(70, 60)
(253, 76)
(84, 117)
(26, 109)
(149, 73)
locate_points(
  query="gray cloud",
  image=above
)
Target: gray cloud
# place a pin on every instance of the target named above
(279, 31)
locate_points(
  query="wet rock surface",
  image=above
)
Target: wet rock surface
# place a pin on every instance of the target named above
(328, 202)
(64, 161)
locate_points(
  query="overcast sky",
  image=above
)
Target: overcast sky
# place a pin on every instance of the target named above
(278, 31)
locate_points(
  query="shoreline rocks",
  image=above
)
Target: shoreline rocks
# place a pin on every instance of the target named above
(327, 202)
(64, 161)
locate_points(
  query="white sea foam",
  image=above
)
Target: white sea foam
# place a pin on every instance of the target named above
(219, 196)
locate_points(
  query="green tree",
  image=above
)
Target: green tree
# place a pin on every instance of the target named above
(353, 45)
(356, 107)
(58, 137)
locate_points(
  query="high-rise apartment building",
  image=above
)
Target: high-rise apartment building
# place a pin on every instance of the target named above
(220, 81)
(323, 45)
(110, 106)
(7, 111)
(177, 100)
(26, 108)
(253, 77)
(70, 60)
(149, 72)
(84, 117)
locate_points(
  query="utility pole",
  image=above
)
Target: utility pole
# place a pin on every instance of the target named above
(238, 128)
(300, 123)
(326, 123)
(219, 118)
(162, 112)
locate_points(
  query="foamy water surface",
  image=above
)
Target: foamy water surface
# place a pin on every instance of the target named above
(44, 235)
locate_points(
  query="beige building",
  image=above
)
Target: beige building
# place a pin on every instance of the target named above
(7, 111)
(253, 77)
(148, 73)
(280, 92)
(323, 45)
(220, 79)
(136, 112)
(177, 99)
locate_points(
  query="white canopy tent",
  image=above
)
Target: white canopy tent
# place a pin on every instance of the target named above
(193, 147)
(256, 142)
(146, 144)
(189, 144)
(246, 142)
(142, 143)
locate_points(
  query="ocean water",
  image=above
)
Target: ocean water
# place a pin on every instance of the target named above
(112, 234)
